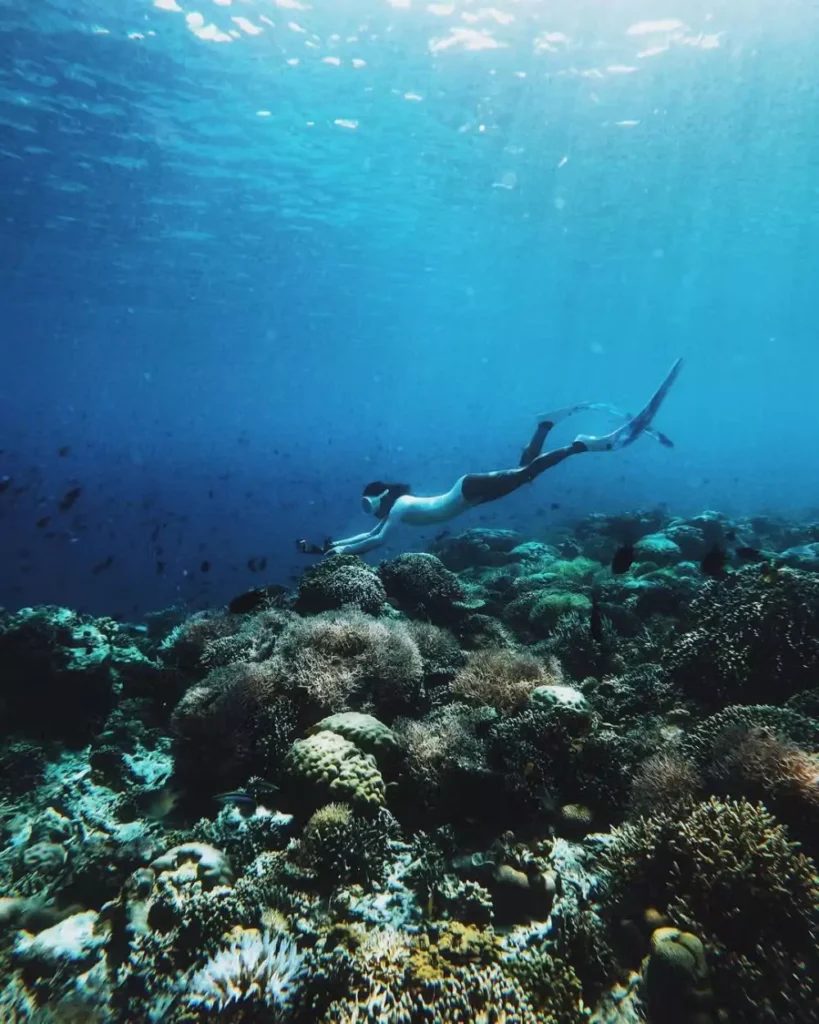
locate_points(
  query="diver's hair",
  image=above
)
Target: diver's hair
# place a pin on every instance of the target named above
(391, 492)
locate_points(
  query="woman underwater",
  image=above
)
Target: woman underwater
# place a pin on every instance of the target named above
(392, 504)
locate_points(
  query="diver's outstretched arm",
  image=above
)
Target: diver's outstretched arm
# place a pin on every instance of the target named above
(362, 542)
(637, 425)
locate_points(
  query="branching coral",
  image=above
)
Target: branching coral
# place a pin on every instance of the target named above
(340, 660)
(502, 679)
(728, 872)
(665, 783)
(753, 638)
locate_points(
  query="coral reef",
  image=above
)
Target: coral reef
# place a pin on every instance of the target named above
(498, 781)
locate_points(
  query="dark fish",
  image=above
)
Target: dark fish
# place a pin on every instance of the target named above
(750, 554)
(41, 523)
(106, 563)
(623, 559)
(155, 532)
(555, 506)
(65, 450)
(160, 568)
(713, 564)
(263, 564)
(69, 498)
(205, 566)
(256, 599)
(5, 483)
(730, 534)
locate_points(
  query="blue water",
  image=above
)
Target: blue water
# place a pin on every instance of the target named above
(254, 255)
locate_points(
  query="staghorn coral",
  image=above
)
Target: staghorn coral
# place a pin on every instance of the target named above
(753, 637)
(760, 765)
(502, 679)
(258, 974)
(340, 581)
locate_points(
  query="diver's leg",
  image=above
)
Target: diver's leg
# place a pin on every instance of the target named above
(545, 422)
(637, 425)
(478, 488)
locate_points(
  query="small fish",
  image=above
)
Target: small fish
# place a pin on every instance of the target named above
(69, 498)
(160, 568)
(623, 559)
(5, 483)
(713, 564)
(555, 506)
(106, 563)
(204, 566)
(65, 450)
(42, 523)
(239, 798)
(731, 534)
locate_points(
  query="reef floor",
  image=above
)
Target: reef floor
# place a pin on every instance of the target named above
(563, 780)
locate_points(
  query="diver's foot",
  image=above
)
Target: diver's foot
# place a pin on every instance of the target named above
(556, 416)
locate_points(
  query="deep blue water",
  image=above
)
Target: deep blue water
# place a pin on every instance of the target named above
(256, 254)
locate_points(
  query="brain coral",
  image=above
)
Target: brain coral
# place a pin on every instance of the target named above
(326, 767)
(365, 731)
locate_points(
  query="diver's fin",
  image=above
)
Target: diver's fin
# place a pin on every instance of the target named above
(623, 436)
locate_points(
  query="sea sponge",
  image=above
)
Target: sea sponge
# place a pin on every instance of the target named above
(365, 731)
(340, 581)
(422, 586)
(327, 767)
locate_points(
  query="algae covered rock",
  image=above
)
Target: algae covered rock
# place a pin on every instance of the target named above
(328, 767)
